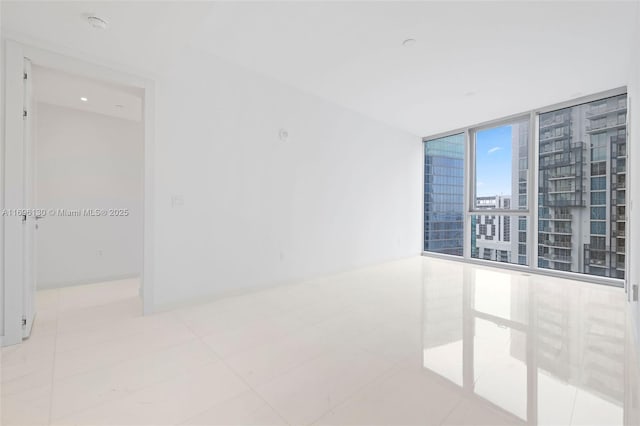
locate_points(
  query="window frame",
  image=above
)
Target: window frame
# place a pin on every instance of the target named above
(532, 188)
(471, 142)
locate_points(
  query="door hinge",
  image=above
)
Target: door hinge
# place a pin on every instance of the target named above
(25, 76)
(24, 322)
(634, 292)
(24, 113)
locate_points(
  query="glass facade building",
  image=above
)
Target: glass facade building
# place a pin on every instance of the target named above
(444, 195)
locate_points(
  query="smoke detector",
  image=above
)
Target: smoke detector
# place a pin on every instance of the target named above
(97, 22)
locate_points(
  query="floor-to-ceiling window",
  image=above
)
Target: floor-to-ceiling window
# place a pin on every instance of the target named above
(444, 195)
(500, 191)
(582, 188)
(565, 211)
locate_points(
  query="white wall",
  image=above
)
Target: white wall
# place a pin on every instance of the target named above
(341, 192)
(633, 178)
(87, 160)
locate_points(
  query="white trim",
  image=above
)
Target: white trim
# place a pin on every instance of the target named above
(14, 194)
(473, 131)
(467, 202)
(575, 276)
(62, 284)
(423, 188)
(147, 277)
(533, 226)
(14, 52)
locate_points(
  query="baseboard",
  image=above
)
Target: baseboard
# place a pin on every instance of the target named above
(62, 284)
(235, 292)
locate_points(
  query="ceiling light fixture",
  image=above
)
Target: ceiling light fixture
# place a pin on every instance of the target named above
(83, 99)
(409, 42)
(97, 23)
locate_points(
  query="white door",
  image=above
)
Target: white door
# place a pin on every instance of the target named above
(29, 220)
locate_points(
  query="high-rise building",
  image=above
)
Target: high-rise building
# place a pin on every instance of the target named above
(581, 193)
(443, 195)
(493, 233)
(582, 184)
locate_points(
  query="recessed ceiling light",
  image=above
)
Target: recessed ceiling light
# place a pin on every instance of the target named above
(409, 42)
(97, 22)
(83, 99)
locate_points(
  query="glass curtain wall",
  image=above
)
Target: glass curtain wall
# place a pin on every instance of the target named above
(444, 195)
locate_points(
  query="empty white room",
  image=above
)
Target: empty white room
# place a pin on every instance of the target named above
(319, 213)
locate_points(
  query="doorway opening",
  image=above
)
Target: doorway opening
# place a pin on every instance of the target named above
(88, 158)
(78, 172)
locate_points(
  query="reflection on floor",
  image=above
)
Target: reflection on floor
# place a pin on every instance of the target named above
(417, 341)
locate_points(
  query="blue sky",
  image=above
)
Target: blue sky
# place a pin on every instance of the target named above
(493, 161)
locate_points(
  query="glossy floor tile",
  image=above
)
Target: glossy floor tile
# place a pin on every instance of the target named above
(420, 341)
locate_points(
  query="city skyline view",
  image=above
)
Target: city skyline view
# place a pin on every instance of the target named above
(581, 215)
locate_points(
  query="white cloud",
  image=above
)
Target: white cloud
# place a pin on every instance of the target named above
(494, 149)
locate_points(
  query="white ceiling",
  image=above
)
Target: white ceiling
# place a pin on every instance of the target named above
(473, 61)
(58, 88)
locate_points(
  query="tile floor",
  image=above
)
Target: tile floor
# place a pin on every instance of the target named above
(419, 341)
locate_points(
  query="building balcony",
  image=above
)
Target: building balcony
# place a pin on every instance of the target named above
(558, 244)
(620, 249)
(555, 120)
(547, 230)
(598, 262)
(596, 113)
(561, 217)
(564, 203)
(562, 177)
(562, 231)
(559, 258)
(554, 137)
(605, 127)
(547, 163)
(562, 190)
